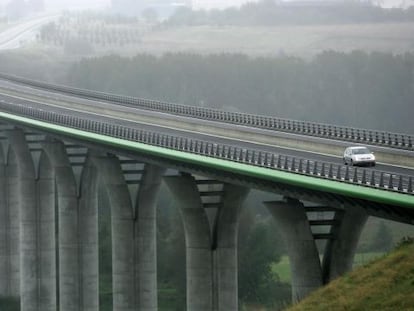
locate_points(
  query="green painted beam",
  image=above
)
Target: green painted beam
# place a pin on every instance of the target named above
(308, 182)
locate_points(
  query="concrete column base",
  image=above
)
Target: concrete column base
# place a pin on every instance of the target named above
(211, 244)
(340, 252)
(134, 261)
(292, 221)
(77, 232)
(307, 274)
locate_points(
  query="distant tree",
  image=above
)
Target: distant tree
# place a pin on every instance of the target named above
(77, 46)
(382, 241)
(269, 12)
(353, 89)
(257, 282)
(170, 255)
(150, 15)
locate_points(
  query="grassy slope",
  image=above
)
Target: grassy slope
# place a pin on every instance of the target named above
(385, 284)
(282, 268)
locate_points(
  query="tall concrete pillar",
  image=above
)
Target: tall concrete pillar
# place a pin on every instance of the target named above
(146, 238)
(88, 238)
(226, 267)
(77, 232)
(134, 261)
(211, 246)
(122, 223)
(68, 238)
(9, 229)
(340, 251)
(37, 241)
(291, 219)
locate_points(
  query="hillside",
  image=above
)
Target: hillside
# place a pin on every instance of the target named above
(385, 284)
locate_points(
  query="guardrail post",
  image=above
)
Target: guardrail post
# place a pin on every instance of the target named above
(339, 173)
(323, 169)
(381, 182)
(391, 182)
(400, 183)
(364, 177)
(372, 180)
(330, 173)
(355, 177)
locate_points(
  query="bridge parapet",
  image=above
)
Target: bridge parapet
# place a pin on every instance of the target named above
(322, 130)
(323, 170)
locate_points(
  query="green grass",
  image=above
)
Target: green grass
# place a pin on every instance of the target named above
(387, 283)
(169, 299)
(365, 258)
(282, 269)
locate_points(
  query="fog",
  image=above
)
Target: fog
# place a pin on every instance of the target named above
(66, 4)
(344, 63)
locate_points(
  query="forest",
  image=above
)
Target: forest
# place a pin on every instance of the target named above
(272, 13)
(367, 90)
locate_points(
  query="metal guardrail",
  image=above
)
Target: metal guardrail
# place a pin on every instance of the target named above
(357, 135)
(330, 171)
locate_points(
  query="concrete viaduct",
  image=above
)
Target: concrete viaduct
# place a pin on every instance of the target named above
(58, 165)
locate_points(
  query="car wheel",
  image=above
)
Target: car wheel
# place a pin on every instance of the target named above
(345, 161)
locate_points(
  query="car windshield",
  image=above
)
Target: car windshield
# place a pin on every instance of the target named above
(360, 151)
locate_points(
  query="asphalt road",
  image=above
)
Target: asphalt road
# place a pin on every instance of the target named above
(122, 115)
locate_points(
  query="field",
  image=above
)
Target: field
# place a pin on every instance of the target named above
(304, 41)
(129, 38)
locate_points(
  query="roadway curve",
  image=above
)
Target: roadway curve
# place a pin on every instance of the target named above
(134, 117)
(12, 38)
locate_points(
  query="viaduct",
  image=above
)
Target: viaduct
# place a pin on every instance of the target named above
(65, 151)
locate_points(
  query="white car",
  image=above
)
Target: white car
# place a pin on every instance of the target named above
(359, 156)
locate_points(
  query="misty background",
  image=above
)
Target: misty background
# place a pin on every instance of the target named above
(340, 62)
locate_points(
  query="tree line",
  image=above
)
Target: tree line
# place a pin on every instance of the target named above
(367, 90)
(79, 33)
(271, 13)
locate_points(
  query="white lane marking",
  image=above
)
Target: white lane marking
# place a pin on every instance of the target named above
(183, 130)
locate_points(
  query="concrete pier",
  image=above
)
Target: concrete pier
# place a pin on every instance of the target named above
(293, 225)
(211, 244)
(340, 251)
(77, 232)
(134, 261)
(37, 226)
(9, 226)
(49, 231)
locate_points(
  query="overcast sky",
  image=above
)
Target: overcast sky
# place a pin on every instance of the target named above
(70, 3)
